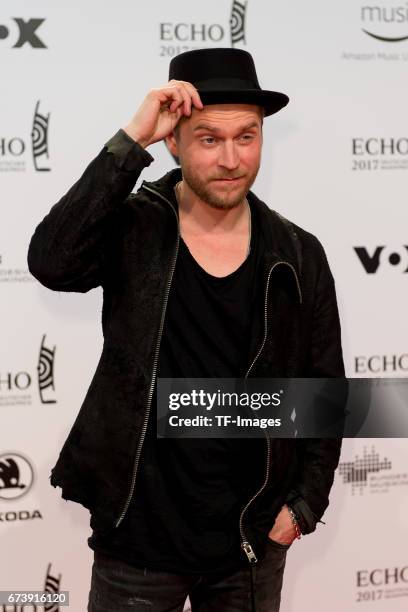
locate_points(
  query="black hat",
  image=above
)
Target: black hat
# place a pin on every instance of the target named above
(225, 75)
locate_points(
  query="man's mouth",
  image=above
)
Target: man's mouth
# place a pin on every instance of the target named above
(230, 180)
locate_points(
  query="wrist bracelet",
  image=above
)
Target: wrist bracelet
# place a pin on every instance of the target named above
(295, 523)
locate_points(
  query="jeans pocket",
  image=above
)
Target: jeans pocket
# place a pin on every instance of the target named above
(278, 544)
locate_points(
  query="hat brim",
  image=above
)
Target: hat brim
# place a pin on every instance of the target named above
(270, 101)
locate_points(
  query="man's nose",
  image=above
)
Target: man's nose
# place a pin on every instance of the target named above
(228, 156)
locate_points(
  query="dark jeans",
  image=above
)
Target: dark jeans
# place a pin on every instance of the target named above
(119, 587)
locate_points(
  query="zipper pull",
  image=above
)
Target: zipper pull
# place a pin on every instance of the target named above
(249, 551)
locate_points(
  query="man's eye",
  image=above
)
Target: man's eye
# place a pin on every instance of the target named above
(208, 139)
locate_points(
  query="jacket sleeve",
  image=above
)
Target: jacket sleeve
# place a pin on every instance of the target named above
(70, 247)
(318, 458)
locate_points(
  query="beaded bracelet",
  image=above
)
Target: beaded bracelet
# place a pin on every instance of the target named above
(295, 523)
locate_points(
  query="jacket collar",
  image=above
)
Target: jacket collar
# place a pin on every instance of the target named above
(280, 237)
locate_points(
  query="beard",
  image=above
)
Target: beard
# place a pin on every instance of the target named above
(225, 197)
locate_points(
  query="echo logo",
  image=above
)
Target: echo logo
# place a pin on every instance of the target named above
(381, 363)
(380, 577)
(372, 261)
(10, 381)
(380, 146)
(21, 381)
(184, 32)
(13, 148)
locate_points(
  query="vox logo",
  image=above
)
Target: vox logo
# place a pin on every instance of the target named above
(372, 259)
(25, 33)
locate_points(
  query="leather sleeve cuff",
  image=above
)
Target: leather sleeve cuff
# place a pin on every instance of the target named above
(305, 516)
(129, 155)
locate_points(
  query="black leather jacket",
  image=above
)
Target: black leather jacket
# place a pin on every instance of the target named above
(101, 234)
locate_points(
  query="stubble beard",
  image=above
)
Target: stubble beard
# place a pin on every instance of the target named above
(211, 197)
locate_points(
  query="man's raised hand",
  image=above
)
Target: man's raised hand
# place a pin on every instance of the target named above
(161, 110)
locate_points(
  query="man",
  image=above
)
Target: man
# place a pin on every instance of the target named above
(200, 279)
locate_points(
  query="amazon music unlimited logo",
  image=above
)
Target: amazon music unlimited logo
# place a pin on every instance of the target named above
(385, 22)
(223, 31)
(382, 30)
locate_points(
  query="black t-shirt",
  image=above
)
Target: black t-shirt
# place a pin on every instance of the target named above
(189, 493)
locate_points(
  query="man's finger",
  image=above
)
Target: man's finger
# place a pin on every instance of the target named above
(192, 92)
(179, 95)
(187, 99)
(195, 96)
(167, 95)
(171, 97)
(175, 104)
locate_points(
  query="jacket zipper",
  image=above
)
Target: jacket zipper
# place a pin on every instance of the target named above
(245, 544)
(155, 361)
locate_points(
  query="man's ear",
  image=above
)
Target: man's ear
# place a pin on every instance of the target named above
(171, 144)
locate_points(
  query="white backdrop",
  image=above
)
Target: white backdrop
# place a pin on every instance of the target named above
(335, 161)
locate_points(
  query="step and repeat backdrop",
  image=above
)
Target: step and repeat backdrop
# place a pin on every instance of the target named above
(335, 161)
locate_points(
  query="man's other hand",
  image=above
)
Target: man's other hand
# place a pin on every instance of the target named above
(161, 110)
(283, 530)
